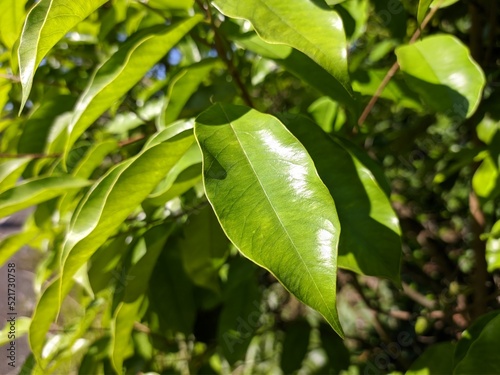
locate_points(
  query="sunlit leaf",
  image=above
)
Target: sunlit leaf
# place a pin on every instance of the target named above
(270, 201)
(47, 22)
(32, 192)
(319, 35)
(441, 69)
(122, 71)
(11, 19)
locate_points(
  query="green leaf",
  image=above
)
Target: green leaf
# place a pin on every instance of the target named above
(471, 334)
(127, 311)
(437, 359)
(12, 243)
(239, 318)
(441, 70)
(11, 19)
(481, 348)
(122, 71)
(44, 123)
(173, 305)
(11, 171)
(47, 22)
(270, 201)
(370, 238)
(99, 215)
(328, 114)
(203, 249)
(493, 248)
(183, 85)
(486, 179)
(307, 26)
(37, 190)
(423, 7)
(86, 166)
(299, 65)
(295, 346)
(21, 328)
(368, 82)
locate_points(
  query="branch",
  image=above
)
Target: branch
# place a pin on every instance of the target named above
(223, 53)
(394, 68)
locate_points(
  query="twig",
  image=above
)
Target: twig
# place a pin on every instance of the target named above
(418, 297)
(394, 68)
(223, 53)
(129, 141)
(10, 77)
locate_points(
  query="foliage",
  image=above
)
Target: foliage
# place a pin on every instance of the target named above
(255, 186)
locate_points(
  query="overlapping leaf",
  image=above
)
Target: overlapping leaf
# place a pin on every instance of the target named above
(122, 71)
(101, 212)
(270, 201)
(299, 65)
(47, 22)
(305, 25)
(441, 70)
(369, 240)
(32, 192)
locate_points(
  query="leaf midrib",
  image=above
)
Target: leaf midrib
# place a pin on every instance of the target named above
(275, 212)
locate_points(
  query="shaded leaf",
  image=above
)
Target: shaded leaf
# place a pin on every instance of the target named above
(127, 311)
(482, 349)
(270, 201)
(239, 318)
(47, 22)
(203, 249)
(299, 65)
(370, 238)
(436, 359)
(183, 85)
(441, 70)
(295, 346)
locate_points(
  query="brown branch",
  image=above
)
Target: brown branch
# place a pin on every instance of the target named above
(394, 68)
(129, 141)
(223, 53)
(418, 297)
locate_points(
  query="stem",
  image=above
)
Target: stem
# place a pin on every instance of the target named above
(223, 53)
(394, 68)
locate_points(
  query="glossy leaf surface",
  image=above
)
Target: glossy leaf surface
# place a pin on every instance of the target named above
(319, 35)
(47, 22)
(441, 70)
(270, 201)
(369, 240)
